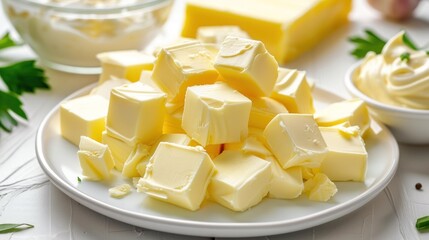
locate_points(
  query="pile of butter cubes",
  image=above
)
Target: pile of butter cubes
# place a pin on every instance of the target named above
(214, 122)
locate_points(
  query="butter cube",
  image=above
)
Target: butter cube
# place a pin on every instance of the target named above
(120, 149)
(136, 113)
(320, 188)
(264, 109)
(103, 89)
(247, 66)
(173, 119)
(141, 160)
(216, 34)
(293, 91)
(295, 140)
(212, 150)
(83, 116)
(95, 159)
(281, 25)
(347, 156)
(140, 154)
(177, 41)
(353, 111)
(223, 114)
(183, 65)
(146, 78)
(181, 180)
(120, 191)
(241, 181)
(126, 64)
(285, 184)
(251, 144)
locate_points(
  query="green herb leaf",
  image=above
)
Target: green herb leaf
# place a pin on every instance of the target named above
(405, 56)
(407, 41)
(371, 42)
(13, 227)
(6, 42)
(23, 77)
(10, 103)
(422, 223)
(79, 180)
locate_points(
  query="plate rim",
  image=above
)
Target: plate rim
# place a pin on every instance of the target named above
(212, 229)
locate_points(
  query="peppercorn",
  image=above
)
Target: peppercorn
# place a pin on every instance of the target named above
(419, 186)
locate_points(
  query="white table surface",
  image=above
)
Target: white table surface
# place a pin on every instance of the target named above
(26, 195)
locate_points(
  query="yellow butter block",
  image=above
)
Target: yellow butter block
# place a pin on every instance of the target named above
(103, 89)
(347, 156)
(247, 66)
(181, 180)
(173, 119)
(177, 41)
(136, 113)
(126, 64)
(264, 109)
(251, 144)
(95, 159)
(146, 78)
(83, 116)
(353, 112)
(283, 26)
(295, 140)
(216, 34)
(242, 180)
(140, 154)
(140, 158)
(223, 114)
(285, 184)
(180, 66)
(293, 91)
(320, 188)
(120, 149)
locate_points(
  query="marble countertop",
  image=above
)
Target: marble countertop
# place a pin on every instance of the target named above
(26, 194)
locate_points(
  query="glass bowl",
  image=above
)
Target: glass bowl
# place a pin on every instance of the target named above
(68, 34)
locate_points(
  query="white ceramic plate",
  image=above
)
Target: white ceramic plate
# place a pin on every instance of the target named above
(59, 160)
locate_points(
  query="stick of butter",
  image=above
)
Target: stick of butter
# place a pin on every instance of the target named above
(216, 34)
(288, 27)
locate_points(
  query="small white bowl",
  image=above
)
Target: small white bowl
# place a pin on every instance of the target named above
(407, 125)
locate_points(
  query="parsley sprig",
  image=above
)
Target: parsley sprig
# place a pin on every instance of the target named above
(371, 42)
(14, 227)
(19, 77)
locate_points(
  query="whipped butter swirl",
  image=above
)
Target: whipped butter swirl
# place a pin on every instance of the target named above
(395, 80)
